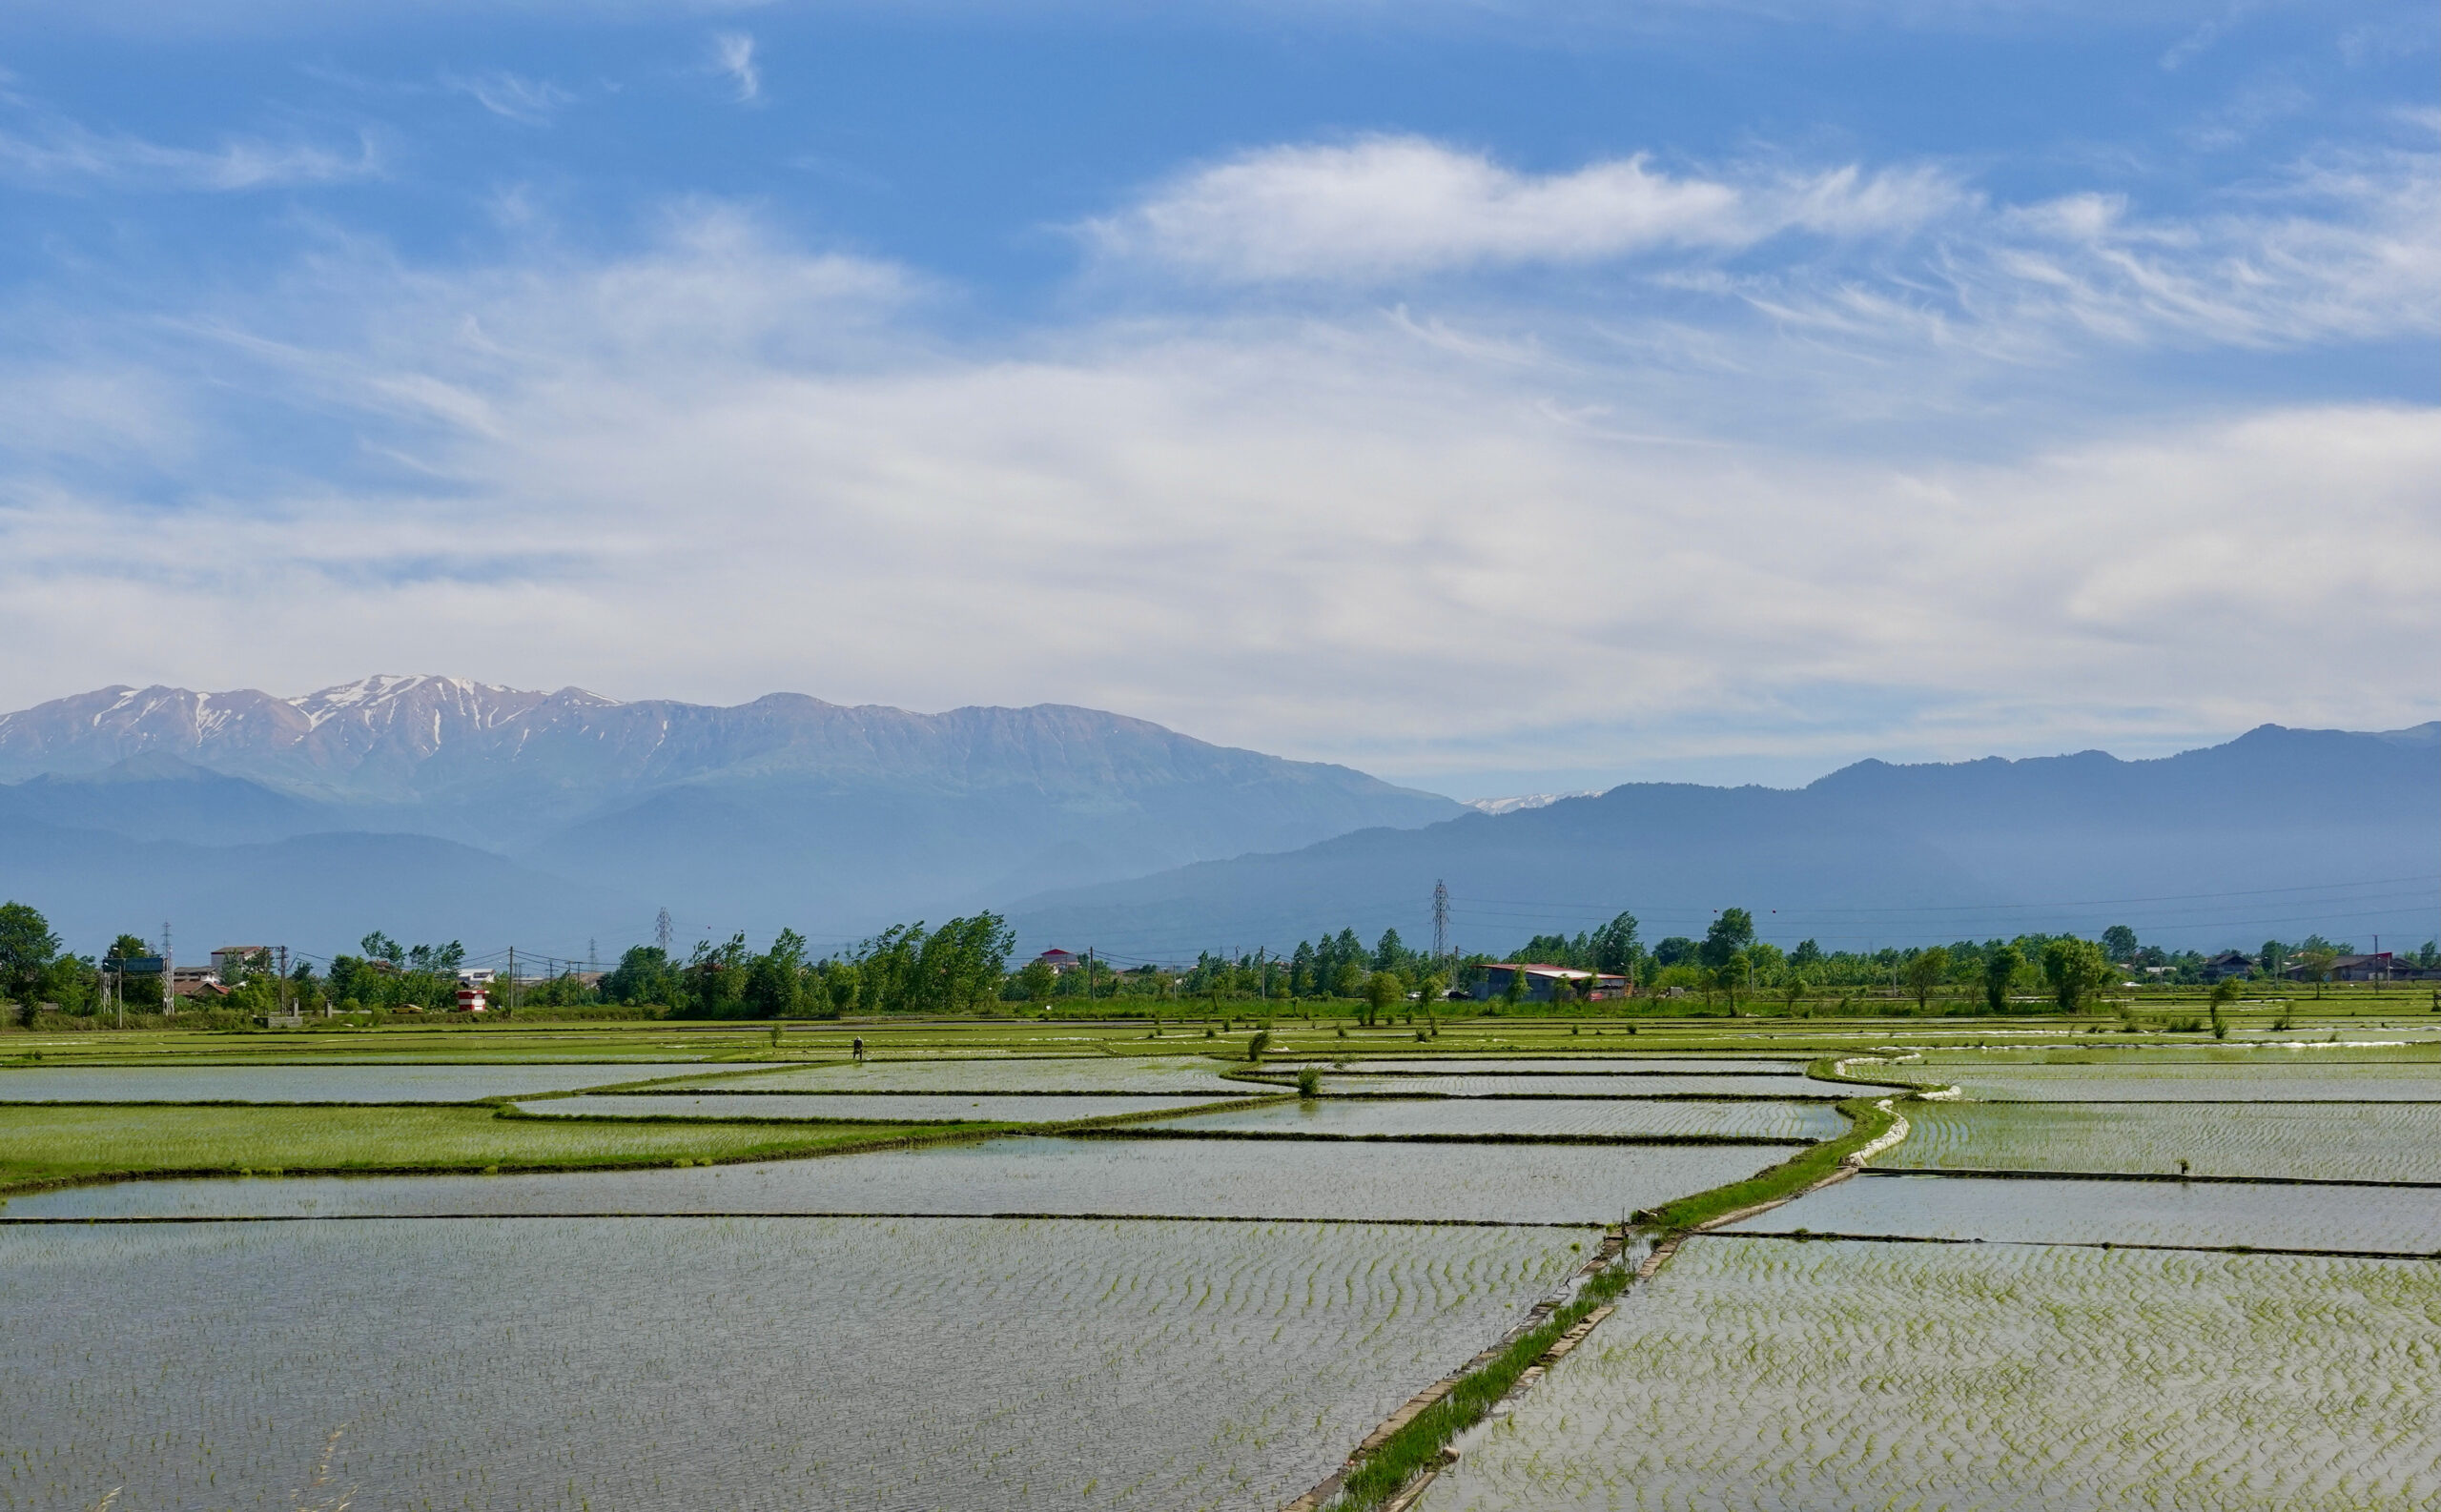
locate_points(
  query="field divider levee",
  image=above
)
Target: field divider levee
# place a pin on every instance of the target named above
(107, 1219)
(1429, 1138)
(1390, 1468)
(946, 1133)
(1824, 1236)
(2165, 1178)
(1397, 1459)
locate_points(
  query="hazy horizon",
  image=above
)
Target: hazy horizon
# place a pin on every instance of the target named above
(1491, 398)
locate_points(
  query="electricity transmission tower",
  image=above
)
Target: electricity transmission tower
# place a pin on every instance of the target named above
(661, 932)
(1441, 921)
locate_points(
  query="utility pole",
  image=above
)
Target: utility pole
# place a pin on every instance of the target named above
(1440, 921)
(169, 975)
(283, 981)
(512, 974)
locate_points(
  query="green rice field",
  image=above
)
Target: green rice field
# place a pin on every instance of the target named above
(40, 1143)
(320, 1083)
(1035, 1263)
(2366, 1142)
(2268, 1079)
(685, 1364)
(1135, 1076)
(912, 1106)
(1763, 1375)
(1462, 1118)
(2067, 1210)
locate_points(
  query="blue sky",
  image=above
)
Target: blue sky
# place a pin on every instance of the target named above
(1496, 396)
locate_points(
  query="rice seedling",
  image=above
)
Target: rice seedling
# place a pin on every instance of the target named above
(1145, 1075)
(1356, 1081)
(1597, 1118)
(1221, 1179)
(316, 1084)
(646, 1363)
(2392, 1220)
(882, 1107)
(2261, 1079)
(2369, 1141)
(1758, 1374)
(40, 1144)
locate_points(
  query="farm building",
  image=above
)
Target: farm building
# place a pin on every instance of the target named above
(1543, 982)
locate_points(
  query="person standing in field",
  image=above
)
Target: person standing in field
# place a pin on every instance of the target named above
(856, 1047)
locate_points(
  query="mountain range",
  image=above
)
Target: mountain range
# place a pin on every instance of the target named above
(438, 807)
(584, 815)
(2280, 833)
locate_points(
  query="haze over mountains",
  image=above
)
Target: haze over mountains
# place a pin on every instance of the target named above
(438, 807)
(2279, 833)
(570, 816)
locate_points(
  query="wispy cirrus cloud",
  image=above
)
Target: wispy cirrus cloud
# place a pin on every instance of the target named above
(1389, 206)
(733, 55)
(591, 451)
(512, 96)
(50, 151)
(2344, 248)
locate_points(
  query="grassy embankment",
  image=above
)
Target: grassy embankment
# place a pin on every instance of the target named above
(59, 1144)
(1419, 1445)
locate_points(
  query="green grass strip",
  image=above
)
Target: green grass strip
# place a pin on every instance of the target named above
(1391, 1465)
(1417, 1445)
(1867, 1121)
(44, 1146)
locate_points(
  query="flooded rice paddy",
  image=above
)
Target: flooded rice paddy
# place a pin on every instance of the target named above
(1589, 1065)
(2371, 1142)
(2266, 1079)
(881, 1364)
(1581, 1085)
(2380, 1221)
(1223, 1178)
(1152, 1075)
(1762, 1375)
(870, 1107)
(333, 1083)
(1592, 1118)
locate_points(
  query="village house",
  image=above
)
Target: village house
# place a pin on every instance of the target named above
(1543, 982)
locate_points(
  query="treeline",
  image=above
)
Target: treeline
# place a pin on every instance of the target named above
(907, 968)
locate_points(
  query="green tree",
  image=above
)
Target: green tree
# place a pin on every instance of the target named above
(1614, 947)
(2076, 970)
(26, 949)
(1730, 933)
(1383, 991)
(1514, 993)
(1348, 980)
(2000, 967)
(1036, 980)
(2318, 961)
(379, 946)
(775, 979)
(643, 975)
(2118, 942)
(1924, 970)
(1389, 953)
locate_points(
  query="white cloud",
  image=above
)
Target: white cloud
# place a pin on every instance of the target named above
(531, 102)
(1394, 205)
(59, 154)
(725, 467)
(733, 55)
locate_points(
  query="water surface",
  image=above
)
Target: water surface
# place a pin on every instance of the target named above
(630, 1365)
(335, 1083)
(2377, 1220)
(1019, 1174)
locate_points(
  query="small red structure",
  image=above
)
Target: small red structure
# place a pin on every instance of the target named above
(470, 1000)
